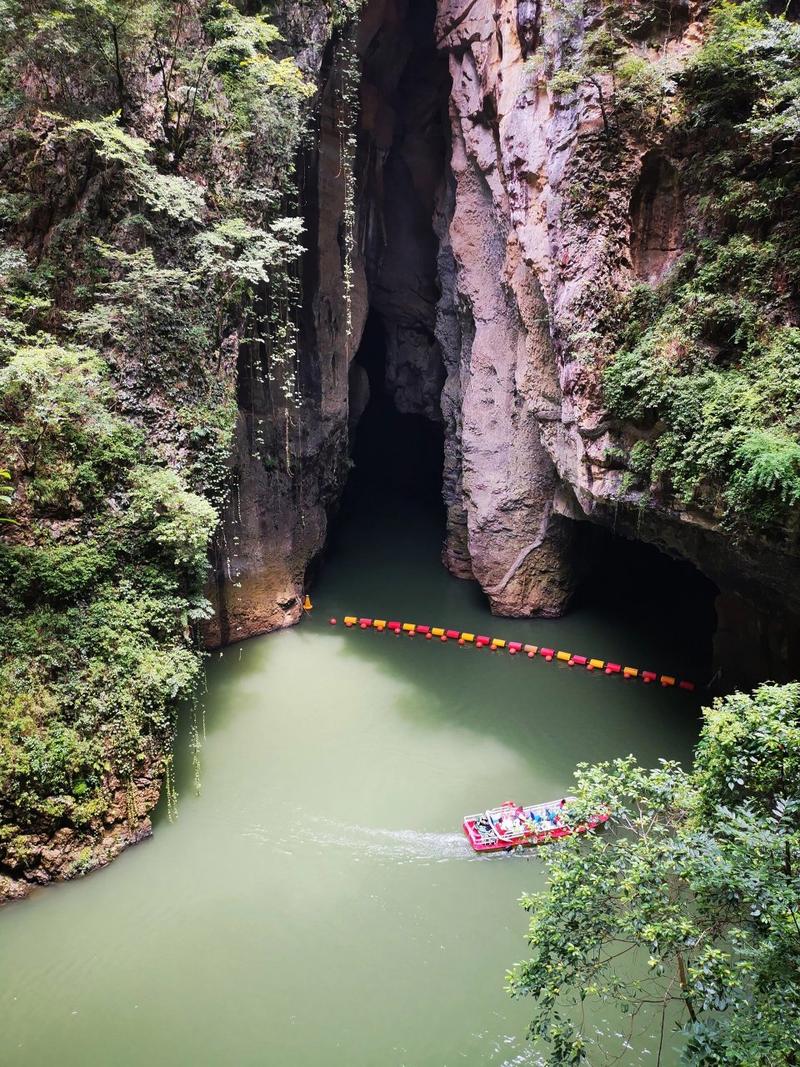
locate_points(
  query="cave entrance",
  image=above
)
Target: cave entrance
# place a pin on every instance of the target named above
(395, 455)
(397, 375)
(672, 601)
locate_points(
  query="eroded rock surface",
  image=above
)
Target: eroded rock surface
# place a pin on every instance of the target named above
(489, 234)
(69, 852)
(534, 237)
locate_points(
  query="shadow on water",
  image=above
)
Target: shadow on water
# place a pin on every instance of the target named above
(377, 571)
(636, 606)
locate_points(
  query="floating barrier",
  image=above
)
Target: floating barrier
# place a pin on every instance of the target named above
(497, 644)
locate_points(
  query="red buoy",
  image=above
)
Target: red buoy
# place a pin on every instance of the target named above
(512, 652)
(428, 637)
(332, 622)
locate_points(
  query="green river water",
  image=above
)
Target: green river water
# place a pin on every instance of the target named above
(317, 904)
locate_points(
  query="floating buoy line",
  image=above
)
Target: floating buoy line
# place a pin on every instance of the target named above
(514, 648)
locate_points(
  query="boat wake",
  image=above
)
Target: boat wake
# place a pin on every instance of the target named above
(403, 846)
(393, 846)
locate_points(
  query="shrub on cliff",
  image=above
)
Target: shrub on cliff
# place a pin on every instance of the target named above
(685, 913)
(709, 365)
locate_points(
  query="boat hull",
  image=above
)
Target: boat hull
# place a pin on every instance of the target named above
(495, 840)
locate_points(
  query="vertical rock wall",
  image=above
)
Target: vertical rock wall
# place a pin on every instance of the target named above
(490, 231)
(290, 459)
(538, 230)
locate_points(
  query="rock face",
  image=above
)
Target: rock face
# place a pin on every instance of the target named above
(290, 460)
(71, 852)
(292, 454)
(527, 250)
(484, 248)
(500, 482)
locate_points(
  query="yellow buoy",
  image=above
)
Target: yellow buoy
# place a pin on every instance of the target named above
(307, 605)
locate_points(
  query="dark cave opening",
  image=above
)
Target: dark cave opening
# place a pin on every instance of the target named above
(394, 455)
(396, 377)
(670, 598)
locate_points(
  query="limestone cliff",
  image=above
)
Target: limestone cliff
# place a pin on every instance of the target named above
(292, 457)
(492, 229)
(537, 235)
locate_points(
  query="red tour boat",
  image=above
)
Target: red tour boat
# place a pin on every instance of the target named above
(510, 826)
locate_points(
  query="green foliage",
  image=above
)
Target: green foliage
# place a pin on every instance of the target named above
(630, 86)
(52, 572)
(242, 256)
(159, 141)
(178, 198)
(6, 494)
(710, 361)
(343, 12)
(145, 309)
(163, 512)
(749, 751)
(687, 910)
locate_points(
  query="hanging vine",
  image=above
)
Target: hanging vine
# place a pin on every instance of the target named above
(169, 788)
(347, 126)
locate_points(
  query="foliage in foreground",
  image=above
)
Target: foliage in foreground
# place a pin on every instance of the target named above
(685, 913)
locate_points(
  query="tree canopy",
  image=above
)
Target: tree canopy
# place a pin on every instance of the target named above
(684, 916)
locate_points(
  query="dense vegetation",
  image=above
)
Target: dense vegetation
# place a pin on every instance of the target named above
(685, 915)
(706, 365)
(146, 161)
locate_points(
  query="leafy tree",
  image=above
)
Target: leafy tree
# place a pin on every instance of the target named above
(687, 913)
(77, 50)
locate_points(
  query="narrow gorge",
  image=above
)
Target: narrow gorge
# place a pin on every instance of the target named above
(479, 316)
(493, 231)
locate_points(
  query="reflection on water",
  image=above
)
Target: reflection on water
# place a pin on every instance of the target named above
(317, 903)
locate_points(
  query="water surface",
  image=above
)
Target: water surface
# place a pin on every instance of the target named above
(317, 904)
